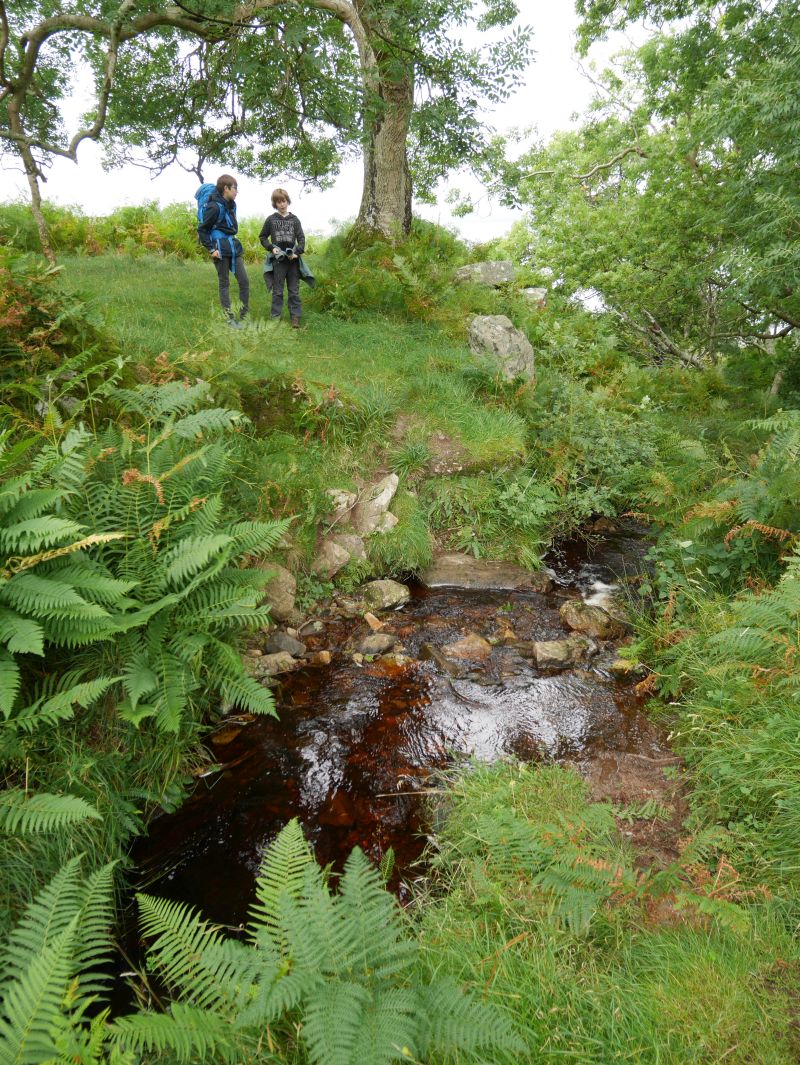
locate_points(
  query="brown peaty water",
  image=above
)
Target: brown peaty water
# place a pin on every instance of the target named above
(357, 746)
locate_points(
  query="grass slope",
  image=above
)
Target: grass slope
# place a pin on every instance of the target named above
(537, 900)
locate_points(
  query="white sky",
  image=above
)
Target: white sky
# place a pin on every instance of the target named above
(552, 91)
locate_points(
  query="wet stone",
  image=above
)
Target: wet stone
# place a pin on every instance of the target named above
(282, 641)
(626, 672)
(562, 654)
(270, 665)
(385, 595)
(590, 620)
(377, 643)
(472, 647)
(428, 652)
(457, 570)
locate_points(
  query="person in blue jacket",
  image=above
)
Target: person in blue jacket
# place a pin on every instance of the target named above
(217, 233)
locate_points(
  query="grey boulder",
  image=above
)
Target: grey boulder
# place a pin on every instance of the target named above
(495, 336)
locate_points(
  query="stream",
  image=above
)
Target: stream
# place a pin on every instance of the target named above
(358, 746)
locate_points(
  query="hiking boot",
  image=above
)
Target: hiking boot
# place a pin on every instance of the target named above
(295, 321)
(233, 323)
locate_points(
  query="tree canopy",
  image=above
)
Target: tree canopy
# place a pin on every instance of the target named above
(676, 200)
(270, 86)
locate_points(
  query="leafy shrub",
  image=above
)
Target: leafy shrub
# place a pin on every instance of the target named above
(120, 566)
(502, 515)
(134, 230)
(56, 359)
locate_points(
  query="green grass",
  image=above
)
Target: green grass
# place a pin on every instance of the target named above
(624, 988)
(324, 400)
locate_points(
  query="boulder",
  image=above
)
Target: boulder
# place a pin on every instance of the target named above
(537, 296)
(562, 654)
(471, 647)
(282, 641)
(377, 643)
(352, 544)
(493, 274)
(342, 502)
(280, 592)
(429, 652)
(496, 336)
(590, 620)
(270, 665)
(454, 569)
(330, 559)
(385, 595)
(387, 522)
(367, 513)
(319, 658)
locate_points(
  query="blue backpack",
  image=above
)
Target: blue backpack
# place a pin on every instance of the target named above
(203, 195)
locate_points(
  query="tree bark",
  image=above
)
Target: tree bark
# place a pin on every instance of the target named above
(386, 197)
(32, 173)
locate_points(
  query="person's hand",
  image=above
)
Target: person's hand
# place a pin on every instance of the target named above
(215, 254)
(276, 251)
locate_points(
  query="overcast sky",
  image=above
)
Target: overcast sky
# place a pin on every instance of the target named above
(552, 90)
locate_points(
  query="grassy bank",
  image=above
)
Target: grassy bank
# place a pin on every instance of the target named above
(131, 409)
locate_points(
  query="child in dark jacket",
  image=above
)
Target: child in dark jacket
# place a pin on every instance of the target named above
(217, 233)
(283, 237)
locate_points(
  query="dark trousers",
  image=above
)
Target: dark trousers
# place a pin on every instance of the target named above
(223, 268)
(286, 270)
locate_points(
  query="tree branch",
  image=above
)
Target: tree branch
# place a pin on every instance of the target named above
(4, 38)
(633, 150)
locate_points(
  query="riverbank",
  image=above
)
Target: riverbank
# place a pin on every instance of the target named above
(542, 901)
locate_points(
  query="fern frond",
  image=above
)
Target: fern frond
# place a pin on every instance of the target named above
(22, 814)
(20, 635)
(281, 875)
(332, 1023)
(61, 707)
(10, 680)
(258, 537)
(190, 556)
(31, 504)
(31, 1009)
(138, 678)
(45, 919)
(389, 1027)
(192, 956)
(189, 1033)
(35, 534)
(375, 946)
(449, 1018)
(46, 598)
(210, 420)
(247, 694)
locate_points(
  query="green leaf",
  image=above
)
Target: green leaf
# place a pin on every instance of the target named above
(25, 814)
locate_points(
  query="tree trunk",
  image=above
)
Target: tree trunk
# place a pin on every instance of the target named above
(32, 173)
(386, 197)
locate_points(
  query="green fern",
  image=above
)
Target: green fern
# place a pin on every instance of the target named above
(53, 965)
(23, 815)
(341, 967)
(188, 1033)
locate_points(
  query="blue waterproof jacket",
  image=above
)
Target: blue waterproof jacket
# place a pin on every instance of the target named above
(217, 231)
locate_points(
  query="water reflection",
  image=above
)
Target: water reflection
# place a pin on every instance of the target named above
(355, 744)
